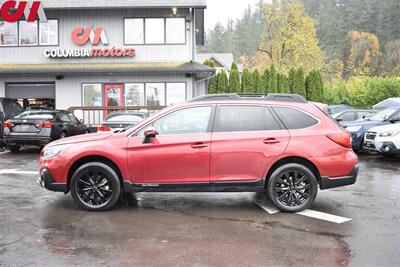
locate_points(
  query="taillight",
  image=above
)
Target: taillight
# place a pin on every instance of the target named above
(343, 139)
(8, 125)
(47, 124)
(103, 128)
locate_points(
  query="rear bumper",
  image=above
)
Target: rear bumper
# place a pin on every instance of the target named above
(46, 181)
(329, 182)
(29, 140)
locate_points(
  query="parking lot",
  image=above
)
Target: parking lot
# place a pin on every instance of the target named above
(41, 228)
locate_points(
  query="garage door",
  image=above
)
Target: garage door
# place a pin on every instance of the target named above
(30, 90)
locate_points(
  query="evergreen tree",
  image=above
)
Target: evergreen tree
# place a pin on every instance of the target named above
(272, 80)
(234, 80)
(209, 63)
(299, 86)
(213, 86)
(247, 82)
(223, 83)
(283, 84)
(257, 82)
(265, 79)
(291, 78)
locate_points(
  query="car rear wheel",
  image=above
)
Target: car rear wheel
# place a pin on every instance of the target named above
(292, 187)
(95, 186)
(14, 148)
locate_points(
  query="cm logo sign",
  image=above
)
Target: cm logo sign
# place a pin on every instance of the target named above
(80, 36)
(13, 11)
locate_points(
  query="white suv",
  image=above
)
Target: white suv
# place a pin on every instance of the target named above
(384, 139)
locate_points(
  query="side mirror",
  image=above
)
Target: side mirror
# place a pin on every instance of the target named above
(339, 120)
(149, 133)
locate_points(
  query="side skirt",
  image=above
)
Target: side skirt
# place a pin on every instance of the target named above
(199, 187)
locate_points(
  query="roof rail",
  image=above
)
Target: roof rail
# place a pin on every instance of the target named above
(216, 97)
(285, 97)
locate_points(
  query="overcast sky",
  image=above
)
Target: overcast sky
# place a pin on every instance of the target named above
(222, 10)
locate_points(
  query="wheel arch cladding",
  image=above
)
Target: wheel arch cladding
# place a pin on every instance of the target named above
(88, 159)
(299, 160)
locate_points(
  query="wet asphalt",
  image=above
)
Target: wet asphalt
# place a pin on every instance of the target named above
(41, 228)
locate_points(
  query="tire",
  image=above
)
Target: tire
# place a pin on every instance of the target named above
(95, 186)
(286, 194)
(14, 149)
(63, 135)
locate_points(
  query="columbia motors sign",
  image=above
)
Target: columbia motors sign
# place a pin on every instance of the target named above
(13, 11)
(94, 36)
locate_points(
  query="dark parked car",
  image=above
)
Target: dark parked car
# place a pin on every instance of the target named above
(359, 128)
(338, 108)
(121, 120)
(353, 115)
(9, 108)
(40, 127)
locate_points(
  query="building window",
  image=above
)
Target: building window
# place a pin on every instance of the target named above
(155, 94)
(176, 93)
(48, 32)
(175, 30)
(28, 33)
(155, 33)
(134, 31)
(92, 95)
(8, 34)
(134, 94)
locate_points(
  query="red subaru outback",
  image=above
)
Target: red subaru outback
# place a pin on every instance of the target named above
(280, 144)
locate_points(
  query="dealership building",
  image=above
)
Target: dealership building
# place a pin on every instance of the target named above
(105, 53)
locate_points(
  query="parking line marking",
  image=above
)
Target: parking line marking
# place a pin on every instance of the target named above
(268, 208)
(16, 171)
(324, 216)
(4, 152)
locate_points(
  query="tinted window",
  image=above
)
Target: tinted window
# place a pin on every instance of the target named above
(244, 119)
(64, 117)
(72, 118)
(11, 109)
(185, 121)
(34, 115)
(347, 116)
(295, 119)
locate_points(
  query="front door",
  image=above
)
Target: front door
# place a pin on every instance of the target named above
(245, 141)
(179, 154)
(113, 96)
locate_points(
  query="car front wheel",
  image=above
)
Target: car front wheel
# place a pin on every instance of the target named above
(292, 187)
(95, 186)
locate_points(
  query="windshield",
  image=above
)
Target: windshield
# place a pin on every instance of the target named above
(384, 114)
(125, 118)
(35, 115)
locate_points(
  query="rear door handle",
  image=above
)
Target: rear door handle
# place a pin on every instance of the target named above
(271, 141)
(199, 145)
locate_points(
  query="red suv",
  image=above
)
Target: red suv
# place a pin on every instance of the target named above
(280, 144)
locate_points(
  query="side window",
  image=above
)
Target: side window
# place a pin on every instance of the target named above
(185, 121)
(396, 116)
(244, 119)
(348, 116)
(72, 118)
(64, 117)
(295, 119)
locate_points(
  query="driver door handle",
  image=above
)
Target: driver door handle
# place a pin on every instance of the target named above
(199, 145)
(271, 141)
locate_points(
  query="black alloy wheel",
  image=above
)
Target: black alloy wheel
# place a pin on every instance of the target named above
(292, 188)
(95, 186)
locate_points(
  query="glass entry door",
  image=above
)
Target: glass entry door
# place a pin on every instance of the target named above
(113, 96)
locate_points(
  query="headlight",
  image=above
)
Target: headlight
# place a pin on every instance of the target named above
(353, 129)
(54, 151)
(389, 133)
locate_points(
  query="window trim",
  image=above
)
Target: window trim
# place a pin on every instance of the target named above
(266, 107)
(38, 34)
(144, 31)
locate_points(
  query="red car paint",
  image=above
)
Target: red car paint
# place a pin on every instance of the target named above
(209, 157)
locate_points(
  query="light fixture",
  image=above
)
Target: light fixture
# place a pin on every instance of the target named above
(174, 10)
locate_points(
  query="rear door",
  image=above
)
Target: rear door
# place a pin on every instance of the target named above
(246, 140)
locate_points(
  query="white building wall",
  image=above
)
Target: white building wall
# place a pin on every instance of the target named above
(2, 89)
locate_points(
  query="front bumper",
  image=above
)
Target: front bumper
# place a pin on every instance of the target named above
(46, 181)
(329, 182)
(389, 148)
(26, 140)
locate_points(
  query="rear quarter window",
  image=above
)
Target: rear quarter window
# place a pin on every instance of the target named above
(294, 118)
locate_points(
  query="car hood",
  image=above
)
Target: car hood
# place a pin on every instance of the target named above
(385, 128)
(363, 123)
(82, 138)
